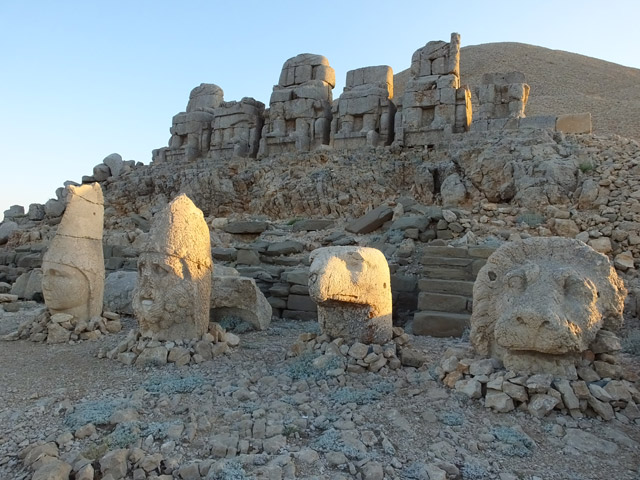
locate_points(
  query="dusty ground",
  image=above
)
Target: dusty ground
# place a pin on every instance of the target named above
(402, 422)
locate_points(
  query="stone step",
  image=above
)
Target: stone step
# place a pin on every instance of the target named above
(443, 302)
(452, 287)
(443, 273)
(440, 324)
(446, 268)
(476, 251)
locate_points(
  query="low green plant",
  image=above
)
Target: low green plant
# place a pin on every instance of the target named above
(235, 324)
(530, 218)
(473, 471)
(631, 343)
(290, 430)
(452, 419)
(123, 435)
(331, 441)
(97, 412)
(517, 444)
(229, 470)
(586, 167)
(302, 367)
(414, 471)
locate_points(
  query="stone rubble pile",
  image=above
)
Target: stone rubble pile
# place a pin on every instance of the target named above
(600, 388)
(141, 351)
(357, 357)
(63, 328)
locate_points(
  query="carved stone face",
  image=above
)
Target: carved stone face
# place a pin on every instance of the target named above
(172, 298)
(539, 303)
(547, 311)
(165, 297)
(65, 289)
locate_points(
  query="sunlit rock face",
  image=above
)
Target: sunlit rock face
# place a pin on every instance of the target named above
(364, 113)
(540, 302)
(73, 266)
(352, 288)
(171, 300)
(299, 118)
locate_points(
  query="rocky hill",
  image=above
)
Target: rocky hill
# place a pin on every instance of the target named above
(561, 82)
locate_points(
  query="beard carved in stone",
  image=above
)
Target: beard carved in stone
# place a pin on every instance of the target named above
(165, 298)
(65, 289)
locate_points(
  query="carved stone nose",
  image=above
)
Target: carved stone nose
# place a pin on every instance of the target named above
(532, 320)
(536, 316)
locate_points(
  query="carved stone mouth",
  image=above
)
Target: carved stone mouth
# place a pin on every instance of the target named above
(147, 304)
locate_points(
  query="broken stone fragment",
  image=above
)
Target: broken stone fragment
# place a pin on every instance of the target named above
(352, 288)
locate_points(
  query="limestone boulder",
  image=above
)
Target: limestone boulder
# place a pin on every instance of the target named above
(54, 208)
(6, 229)
(101, 172)
(14, 211)
(352, 288)
(28, 286)
(36, 211)
(240, 297)
(538, 303)
(118, 292)
(453, 191)
(115, 164)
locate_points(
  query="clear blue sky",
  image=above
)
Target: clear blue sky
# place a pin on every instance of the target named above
(82, 79)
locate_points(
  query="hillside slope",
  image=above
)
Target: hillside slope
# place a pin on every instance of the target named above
(561, 82)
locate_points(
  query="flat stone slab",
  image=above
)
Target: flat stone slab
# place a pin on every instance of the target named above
(246, 226)
(312, 225)
(442, 302)
(371, 220)
(454, 287)
(440, 324)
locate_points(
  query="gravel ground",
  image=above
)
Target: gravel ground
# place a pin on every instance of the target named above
(278, 417)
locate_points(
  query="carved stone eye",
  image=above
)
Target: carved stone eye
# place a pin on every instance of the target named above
(517, 282)
(575, 286)
(492, 275)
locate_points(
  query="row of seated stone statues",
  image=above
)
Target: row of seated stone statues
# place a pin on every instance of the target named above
(302, 115)
(538, 304)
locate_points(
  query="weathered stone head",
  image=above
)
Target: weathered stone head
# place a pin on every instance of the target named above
(171, 300)
(352, 288)
(540, 302)
(73, 266)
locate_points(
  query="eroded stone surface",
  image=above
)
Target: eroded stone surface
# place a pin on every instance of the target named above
(171, 300)
(73, 266)
(236, 296)
(540, 302)
(299, 116)
(364, 113)
(352, 288)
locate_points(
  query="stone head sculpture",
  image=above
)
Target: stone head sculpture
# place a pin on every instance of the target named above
(73, 266)
(352, 288)
(540, 302)
(171, 300)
